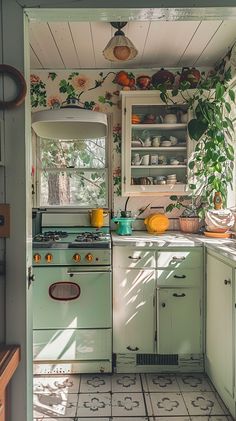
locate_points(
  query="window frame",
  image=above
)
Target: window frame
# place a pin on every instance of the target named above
(72, 208)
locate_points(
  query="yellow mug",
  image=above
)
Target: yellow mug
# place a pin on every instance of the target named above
(97, 217)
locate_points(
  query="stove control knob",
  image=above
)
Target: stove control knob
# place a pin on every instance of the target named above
(89, 257)
(48, 257)
(77, 257)
(37, 258)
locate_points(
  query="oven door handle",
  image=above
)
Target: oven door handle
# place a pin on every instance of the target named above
(77, 272)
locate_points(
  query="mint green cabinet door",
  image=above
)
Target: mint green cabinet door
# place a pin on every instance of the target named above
(133, 311)
(179, 323)
(219, 324)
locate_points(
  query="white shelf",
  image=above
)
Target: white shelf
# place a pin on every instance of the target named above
(159, 148)
(177, 126)
(158, 166)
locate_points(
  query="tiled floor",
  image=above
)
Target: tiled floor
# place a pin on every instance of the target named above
(127, 397)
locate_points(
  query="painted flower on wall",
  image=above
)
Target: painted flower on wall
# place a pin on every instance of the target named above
(81, 82)
(117, 181)
(54, 101)
(116, 132)
(38, 92)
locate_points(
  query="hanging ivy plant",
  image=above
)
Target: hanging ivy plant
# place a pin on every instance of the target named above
(212, 162)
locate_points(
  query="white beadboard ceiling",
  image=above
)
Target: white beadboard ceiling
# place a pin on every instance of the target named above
(79, 45)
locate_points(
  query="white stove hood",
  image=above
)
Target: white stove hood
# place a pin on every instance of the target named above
(69, 123)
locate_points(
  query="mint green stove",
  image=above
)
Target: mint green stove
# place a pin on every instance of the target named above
(72, 303)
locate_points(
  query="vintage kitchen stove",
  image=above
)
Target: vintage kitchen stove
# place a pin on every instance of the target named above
(72, 310)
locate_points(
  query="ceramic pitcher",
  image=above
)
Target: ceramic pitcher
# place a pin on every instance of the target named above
(97, 217)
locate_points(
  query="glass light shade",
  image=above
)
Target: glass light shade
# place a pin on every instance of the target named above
(120, 48)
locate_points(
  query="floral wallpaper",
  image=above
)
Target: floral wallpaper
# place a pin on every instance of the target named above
(99, 90)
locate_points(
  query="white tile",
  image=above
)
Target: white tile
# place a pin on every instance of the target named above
(52, 384)
(94, 405)
(130, 419)
(202, 403)
(126, 383)
(171, 419)
(214, 418)
(95, 383)
(55, 419)
(128, 404)
(160, 383)
(194, 382)
(59, 404)
(166, 404)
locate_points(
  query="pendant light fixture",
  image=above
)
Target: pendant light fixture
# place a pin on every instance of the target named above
(119, 48)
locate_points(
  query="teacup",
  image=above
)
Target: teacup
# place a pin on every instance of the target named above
(145, 160)
(156, 141)
(154, 159)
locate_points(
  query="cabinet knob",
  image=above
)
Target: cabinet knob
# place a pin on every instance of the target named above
(227, 281)
(179, 295)
(163, 305)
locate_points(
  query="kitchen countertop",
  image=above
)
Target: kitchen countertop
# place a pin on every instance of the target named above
(225, 247)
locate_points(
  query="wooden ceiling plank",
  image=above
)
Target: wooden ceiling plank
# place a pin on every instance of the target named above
(199, 41)
(34, 61)
(63, 39)
(166, 43)
(218, 45)
(101, 35)
(43, 44)
(82, 39)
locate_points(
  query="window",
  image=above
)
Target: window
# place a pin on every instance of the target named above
(72, 173)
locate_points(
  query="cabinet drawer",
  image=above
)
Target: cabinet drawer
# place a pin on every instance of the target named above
(127, 257)
(180, 259)
(180, 277)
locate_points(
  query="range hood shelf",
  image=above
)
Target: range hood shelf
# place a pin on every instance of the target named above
(69, 123)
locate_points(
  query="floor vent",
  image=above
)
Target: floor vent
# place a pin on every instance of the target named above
(157, 359)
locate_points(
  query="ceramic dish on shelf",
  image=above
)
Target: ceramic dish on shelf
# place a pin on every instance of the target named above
(166, 143)
(217, 234)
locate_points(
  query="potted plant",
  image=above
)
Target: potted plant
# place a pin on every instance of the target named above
(193, 209)
(212, 162)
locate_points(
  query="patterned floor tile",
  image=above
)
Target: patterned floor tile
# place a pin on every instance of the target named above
(163, 404)
(171, 419)
(194, 382)
(216, 418)
(95, 383)
(59, 404)
(52, 384)
(202, 403)
(160, 383)
(55, 419)
(131, 419)
(94, 405)
(126, 383)
(128, 405)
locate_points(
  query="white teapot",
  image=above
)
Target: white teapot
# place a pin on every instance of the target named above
(170, 119)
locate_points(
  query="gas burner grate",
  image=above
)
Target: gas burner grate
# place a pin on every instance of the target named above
(55, 235)
(89, 237)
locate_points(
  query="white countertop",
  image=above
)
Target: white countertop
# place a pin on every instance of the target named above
(225, 247)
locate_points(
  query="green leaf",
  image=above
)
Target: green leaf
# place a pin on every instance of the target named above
(192, 186)
(191, 165)
(232, 95)
(220, 90)
(196, 128)
(174, 92)
(228, 107)
(163, 97)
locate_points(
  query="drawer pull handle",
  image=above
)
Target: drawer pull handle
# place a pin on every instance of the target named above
(163, 305)
(135, 258)
(132, 349)
(179, 295)
(179, 276)
(227, 282)
(177, 259)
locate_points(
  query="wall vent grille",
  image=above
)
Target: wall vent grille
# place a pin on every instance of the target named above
(157, 359)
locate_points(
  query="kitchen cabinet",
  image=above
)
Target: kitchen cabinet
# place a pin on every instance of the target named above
(157, 301)
(179, 320)
(156, 144)
(220, 341)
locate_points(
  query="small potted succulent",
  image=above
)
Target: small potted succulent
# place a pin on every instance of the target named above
(193, 212)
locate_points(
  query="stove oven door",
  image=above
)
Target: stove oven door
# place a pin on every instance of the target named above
(72, 314)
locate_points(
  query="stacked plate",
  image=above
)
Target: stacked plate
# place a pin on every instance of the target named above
(171, 179)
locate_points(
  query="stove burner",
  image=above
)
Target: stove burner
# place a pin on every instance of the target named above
(50, 236)
(89, 237)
